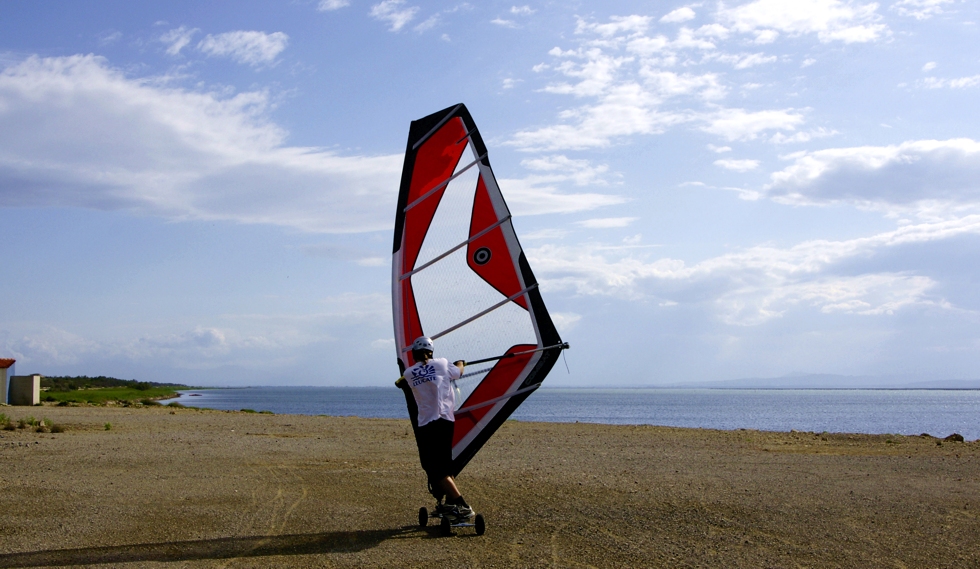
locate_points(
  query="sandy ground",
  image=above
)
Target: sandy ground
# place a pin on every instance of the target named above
(193, 488)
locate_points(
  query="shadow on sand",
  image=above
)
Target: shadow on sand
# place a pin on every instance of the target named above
(223, 548)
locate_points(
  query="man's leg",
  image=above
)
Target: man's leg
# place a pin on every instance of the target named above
(449, 486)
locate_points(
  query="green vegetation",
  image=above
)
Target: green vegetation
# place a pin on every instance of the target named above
(29, 422)
(73, 383)
(101, 395)
(108, 426)
(101, 390)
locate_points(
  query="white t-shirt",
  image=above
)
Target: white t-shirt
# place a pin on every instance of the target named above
(433, 390)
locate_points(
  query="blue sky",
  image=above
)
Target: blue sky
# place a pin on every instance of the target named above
(205, 193)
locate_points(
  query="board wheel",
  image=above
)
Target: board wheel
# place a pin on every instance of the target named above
(480, 524)
(446, 527)
(423, 517)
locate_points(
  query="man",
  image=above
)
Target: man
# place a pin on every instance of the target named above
(431, 383)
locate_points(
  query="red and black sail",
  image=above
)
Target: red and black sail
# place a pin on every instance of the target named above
(459, 276)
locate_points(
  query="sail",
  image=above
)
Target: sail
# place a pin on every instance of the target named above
(460, 277)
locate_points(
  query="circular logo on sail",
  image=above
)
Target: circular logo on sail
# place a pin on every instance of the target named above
(482, 256)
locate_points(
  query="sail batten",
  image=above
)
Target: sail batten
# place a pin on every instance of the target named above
(459, 276)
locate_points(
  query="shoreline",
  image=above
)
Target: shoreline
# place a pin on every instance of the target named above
(204, 487)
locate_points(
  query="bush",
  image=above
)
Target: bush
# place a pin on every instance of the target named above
(248, 410)
(108, 426)
(26, 422)
(176, 404)
(149, 402)
(56, 428)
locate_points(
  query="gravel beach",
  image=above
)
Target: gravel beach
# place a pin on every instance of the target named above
(200, 488)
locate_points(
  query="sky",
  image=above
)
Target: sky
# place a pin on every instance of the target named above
(205, 192)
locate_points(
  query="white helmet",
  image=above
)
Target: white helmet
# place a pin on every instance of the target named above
(422, 343)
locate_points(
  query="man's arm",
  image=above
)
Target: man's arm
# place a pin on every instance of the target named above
(460, 364)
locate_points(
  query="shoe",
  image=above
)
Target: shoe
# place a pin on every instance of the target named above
(463, 511)
(445, 508)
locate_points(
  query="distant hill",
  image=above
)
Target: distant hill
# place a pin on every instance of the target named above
(66, 383)
(830, 381)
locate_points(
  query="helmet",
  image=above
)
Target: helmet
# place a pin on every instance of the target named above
(422, 343)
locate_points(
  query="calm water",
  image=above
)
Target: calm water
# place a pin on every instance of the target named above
(908, 412)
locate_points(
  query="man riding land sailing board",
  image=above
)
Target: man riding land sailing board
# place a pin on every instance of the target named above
(460, 277)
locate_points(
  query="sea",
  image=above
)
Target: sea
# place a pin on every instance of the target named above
(938, 412)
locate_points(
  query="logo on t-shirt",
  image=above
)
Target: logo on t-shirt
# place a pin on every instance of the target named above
(423, 373)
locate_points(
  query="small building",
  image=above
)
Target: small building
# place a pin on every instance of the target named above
(25, 389)
(6, 370)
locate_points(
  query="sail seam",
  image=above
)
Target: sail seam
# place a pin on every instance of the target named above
(456, 248)
(443, 184)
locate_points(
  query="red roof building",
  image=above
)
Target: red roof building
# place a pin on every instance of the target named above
(6, 363)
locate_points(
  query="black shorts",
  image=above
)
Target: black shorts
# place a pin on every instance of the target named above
(436, 448)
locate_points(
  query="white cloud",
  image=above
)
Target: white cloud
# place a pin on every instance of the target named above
(394, 12)
(959, 83)
(739, 124)
(427, 24)
(565, 321)
(679, 15)
(248, 47)
(328, 5)
(177, 39)
(922, 171)
(504, 23)
(744, 60)
(627, 86)
(719, 149)
(550, 233)
(830, 20)
(921, 9)
(929, 66)
(75, 132)
(606, 222)
(522, 10)
(624, 112)
(535, 195)
(802, 136)
(757, 284)
(561, 168)
(256, 341)
(808, 62)
(617, 24)
(109, 38)
(509, 83)
(737, 165)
